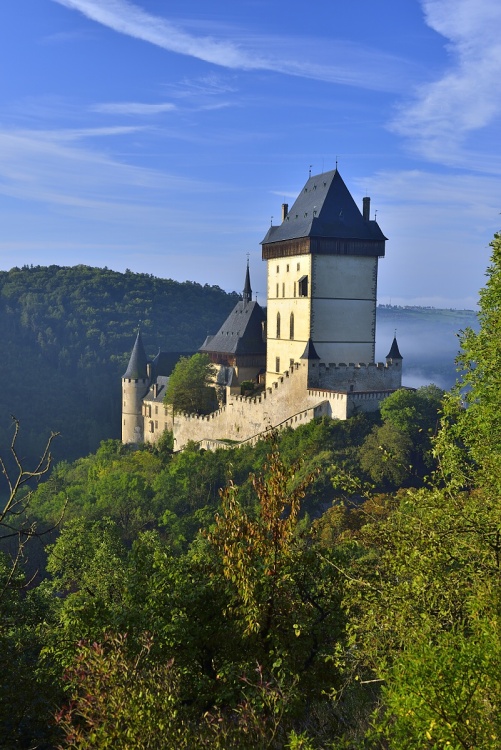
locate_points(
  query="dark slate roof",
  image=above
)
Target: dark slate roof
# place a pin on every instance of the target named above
(136, 369)
(394, 352)
(325, 208)
(161, 365)
(241, 333)
(310, 351)
(161, 385)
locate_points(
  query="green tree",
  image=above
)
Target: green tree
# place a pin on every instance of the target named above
(424, 589)
(190, 388)
(386, 455)
(283, 595)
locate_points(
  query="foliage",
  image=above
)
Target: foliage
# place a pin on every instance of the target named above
(285, 598)
(121, 702)
(190, 388)
(27, 693)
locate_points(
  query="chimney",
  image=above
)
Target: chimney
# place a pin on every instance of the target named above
(367, 208)
(285, 210)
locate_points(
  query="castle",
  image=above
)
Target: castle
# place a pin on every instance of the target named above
(312, 354)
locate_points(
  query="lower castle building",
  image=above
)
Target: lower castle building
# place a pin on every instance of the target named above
(313, 352)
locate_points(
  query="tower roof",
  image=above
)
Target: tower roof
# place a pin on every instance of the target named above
(309, 352)
(137, 367)
(394, 352)
(241, 332)
(325, 208)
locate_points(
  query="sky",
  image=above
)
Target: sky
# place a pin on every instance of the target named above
(163, 136)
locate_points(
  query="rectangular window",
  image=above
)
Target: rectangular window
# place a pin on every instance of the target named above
(303, 286)
(287, 267)
(298, 266)
(277, 290)
(294, 289)
(156, 409)
(277, 364)
(278, 269)
(156, 423)
(283, 289)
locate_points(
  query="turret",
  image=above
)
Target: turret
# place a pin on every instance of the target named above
(135, 384)
(394, 353)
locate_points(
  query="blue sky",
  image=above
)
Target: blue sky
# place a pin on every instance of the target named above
(163, 136)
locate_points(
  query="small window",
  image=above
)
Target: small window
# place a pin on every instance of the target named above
(278, 325)
(278, 269)
(287, 267)
(277, 364)
(295, 286)
(156, 409)
(156, 424)
(277, 289)
(291, 326)
(298, 266)
(303, 286)
(283, 289)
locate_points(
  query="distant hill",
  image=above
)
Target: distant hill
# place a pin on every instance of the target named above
(65, 337)
(427, 339)
(66, 334)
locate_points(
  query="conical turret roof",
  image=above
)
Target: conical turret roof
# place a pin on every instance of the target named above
(309, 352)
(394, 352)
(247, 293)
(137, 367)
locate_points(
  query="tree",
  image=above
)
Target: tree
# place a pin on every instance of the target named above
(470, 443)
(425, 596)
(190, 388)
(14, 521)
(386, 455)
(284, 596)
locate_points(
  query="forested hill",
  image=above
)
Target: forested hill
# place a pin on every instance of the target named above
(65, 337)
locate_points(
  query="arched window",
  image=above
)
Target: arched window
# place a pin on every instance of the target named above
(278, 325)
(291, 332)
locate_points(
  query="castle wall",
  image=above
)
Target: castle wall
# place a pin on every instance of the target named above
(360, 377)
(291, 400)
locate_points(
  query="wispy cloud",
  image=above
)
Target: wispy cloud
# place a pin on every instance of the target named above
(77, 134)
(133, 108)
(340, 62)
(54, 168)
(467, 97)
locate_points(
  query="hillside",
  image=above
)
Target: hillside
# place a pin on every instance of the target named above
(66, 334)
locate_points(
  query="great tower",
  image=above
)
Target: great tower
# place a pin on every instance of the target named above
(322, 277)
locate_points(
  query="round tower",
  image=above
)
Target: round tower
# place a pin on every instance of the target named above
(135, 384)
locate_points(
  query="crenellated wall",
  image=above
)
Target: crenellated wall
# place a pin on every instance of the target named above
(292, 399)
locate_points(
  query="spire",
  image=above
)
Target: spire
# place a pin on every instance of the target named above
(247, 293)
(137, 367)
(394, 352)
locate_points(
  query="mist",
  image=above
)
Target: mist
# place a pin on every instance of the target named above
(428, 339)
